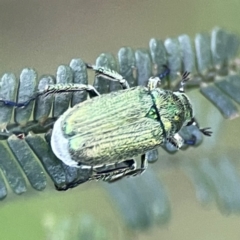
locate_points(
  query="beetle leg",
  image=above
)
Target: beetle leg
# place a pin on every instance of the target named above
(54, 89)
(116, 167)
(113, 171)
(205, 131)
(177, 141)
(70, 87)
(108, 173)
(114, 177)
(109, 74)
(129, 172)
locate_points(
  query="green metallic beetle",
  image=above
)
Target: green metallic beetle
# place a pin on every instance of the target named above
(104, 133)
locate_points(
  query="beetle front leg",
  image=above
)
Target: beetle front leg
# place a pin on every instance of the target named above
(177, 141)
(205, 131)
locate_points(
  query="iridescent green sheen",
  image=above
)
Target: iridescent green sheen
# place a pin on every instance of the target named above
(119, 125)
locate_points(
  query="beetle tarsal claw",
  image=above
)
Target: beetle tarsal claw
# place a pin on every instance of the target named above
(206, 131)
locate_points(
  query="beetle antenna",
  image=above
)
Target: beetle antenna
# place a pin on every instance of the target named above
(165, 73)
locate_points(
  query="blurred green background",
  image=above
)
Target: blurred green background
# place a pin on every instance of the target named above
(44, 34)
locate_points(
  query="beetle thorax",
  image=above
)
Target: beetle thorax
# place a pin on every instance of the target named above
(174, 108)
